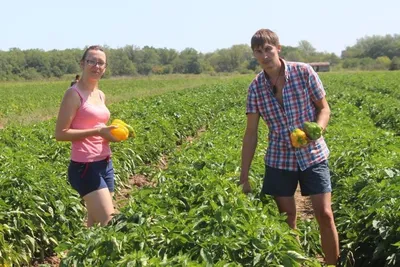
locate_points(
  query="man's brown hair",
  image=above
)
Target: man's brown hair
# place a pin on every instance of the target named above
(262, 37)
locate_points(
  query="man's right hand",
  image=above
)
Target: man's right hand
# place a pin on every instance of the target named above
(246, 188)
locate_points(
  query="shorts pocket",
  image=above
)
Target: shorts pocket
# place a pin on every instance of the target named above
(76, 170)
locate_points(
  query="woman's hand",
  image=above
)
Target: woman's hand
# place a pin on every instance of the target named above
(105, 132)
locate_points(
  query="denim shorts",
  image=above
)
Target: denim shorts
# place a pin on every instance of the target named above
(283, 183)
(86, 177)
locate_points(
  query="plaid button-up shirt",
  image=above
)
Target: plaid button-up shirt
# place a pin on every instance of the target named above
(302, 87)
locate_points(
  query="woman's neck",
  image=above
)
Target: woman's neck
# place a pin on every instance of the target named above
(86, 85)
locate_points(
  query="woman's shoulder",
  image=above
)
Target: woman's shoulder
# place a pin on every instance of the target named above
(102, 95)
(72, 94)
(72, 90)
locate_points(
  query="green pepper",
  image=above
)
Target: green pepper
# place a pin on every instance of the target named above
(313, 130)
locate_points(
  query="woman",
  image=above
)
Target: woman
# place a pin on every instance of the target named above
(82, 120)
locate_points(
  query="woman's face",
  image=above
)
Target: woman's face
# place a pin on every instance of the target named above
(94, 65)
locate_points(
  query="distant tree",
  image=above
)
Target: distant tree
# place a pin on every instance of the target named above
(17, 61)
(32, 74)
(119, 63)
(332, 58)
(287, 50)
(306, 48)
(374, 46)
(244, 68)
(131, 51)
(294, 56)
(189, 60)
(220, 60)
(395, 64)
(56, 72)
(206, 66)
(63, 62)
(238, 55)
(5, 66)
(39, 60)
(178, 65)
(145, 59)
(230, 59)
(367, 63)
(351, 63)
(157, 69)
(352, 52)
(369, 53)
(150, 55)
(194, 67)
(253, 64)
(167, 56)
(383, 63)
(168, 69)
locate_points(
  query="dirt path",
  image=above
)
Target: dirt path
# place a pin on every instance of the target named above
(305, 212)
(122, 197)
(303, 205)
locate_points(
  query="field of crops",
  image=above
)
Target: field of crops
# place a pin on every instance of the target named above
(29, 102)
(196, 215)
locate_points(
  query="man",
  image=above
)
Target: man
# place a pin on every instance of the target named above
(285, 95)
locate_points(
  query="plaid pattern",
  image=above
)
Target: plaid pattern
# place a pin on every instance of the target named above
(302, 87)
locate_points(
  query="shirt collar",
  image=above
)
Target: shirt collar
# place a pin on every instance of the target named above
(285, 70)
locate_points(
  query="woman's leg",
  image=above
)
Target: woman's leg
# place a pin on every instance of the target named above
(99, 206)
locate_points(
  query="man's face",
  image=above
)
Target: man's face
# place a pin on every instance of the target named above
(267, 55)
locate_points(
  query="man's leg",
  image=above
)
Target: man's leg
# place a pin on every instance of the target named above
(329, 237)
(287, 205)
(315, 182)
(282, 184)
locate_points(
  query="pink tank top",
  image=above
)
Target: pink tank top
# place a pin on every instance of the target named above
(89, 116)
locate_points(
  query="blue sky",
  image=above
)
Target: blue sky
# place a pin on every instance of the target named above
(204, 25)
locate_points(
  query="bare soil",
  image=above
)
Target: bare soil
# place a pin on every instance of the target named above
(52, 261)
(137, 180)
(303, 205)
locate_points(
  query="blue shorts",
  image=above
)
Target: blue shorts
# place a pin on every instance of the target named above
(283, 183)
(91, 176)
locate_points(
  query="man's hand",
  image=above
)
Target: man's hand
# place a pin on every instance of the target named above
(246, 188)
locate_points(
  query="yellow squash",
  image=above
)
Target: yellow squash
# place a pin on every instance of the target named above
(121, 122)
(123, 131)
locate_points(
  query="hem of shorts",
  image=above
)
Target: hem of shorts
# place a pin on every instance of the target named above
(97, 190)
(274, 195)
(312, 194)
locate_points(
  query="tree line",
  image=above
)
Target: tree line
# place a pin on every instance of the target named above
(369, 53)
